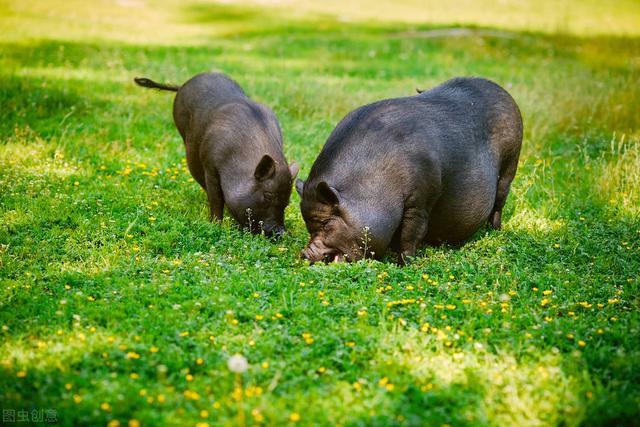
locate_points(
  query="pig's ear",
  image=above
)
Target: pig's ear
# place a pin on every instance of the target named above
(265, 169)
(327, 194)
(293, 169)
(299, 186)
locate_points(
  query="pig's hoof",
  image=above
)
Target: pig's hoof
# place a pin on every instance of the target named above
(496, 220)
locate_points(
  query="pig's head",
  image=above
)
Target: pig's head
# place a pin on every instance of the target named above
(336, 232)
(259, 206)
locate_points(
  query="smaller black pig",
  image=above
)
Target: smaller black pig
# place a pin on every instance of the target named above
(234, 150)
(403, 172)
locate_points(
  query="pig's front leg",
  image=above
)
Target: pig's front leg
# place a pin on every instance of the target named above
(214, 193)
(412, 232)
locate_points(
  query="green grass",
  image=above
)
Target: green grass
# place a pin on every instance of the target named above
(106, 252)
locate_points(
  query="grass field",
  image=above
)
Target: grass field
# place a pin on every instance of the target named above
(120, 303)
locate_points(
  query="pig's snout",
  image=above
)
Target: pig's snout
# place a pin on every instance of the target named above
(316, 251)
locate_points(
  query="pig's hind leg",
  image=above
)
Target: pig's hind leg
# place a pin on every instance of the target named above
(214, 193)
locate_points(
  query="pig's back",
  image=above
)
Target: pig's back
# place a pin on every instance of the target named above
(199, 96)
(446, 126)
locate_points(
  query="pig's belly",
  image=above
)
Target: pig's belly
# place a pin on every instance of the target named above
(462, 208)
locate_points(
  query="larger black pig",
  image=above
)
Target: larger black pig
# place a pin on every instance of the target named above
(234, 150)
(404, 172)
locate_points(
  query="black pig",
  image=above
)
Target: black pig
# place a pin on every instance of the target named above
(234, 150)
(404, 172)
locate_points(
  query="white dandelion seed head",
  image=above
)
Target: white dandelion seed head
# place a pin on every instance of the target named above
(238, 363)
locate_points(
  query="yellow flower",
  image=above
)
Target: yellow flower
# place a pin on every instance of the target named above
(204, 414)
(265, 365)
(154, 349)
(547, 292)
(133, 355)
(259, 317)
(350, 343)
(322, 370)
(161, 398)
(134, 376)
(21, 374)
(184, 334)
(237, 393)
(191, 395)
(113, 423)
(189, 377)
(202, 424)
(426, 387)
(134, 423)
(105, 406)
(544, 301)
(307, 338)
(255, 413)
(77, 398)
(294, 417)
(582, 343)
